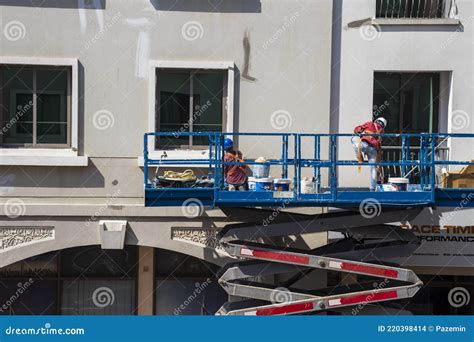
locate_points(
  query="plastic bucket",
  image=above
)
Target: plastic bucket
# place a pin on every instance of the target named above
(260, 170)
(400, 184)
(386, 188)
(264, 184)
(252, 184)
(307, 186)
(281, 184)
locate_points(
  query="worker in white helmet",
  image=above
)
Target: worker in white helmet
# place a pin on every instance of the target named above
(370, 146)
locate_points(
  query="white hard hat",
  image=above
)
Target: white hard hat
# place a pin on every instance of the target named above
(382, 121)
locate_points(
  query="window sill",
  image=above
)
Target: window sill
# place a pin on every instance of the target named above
(416, 22)
(177, 154)
(41, 157)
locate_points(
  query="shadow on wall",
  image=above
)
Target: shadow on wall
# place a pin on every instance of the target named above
(423, 28)
(80, 113)
(223, 6)
(236, 123)
(84, 4)
(360, 24)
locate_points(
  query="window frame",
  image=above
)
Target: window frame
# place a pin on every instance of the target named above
(191, 73)
(442, 105)
(34, 94)
(200, 152)
(49, 156)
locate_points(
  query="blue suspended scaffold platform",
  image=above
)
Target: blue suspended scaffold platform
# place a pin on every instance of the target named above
(428, 191)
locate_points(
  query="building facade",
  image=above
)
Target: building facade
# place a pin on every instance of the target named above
(81, 82)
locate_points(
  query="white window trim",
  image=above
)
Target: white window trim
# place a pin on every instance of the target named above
(45, 156)
(212, 65)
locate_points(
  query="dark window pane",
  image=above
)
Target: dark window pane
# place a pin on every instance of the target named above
(24, 112)
(173, 106)
(387, 100)
(52, 80)
(16, 102)
(420, 106)
(28, 296)
(52, 133)
(92, 261)
(207, 102)
(52, 106)
(200, 296)
(98, 297)
(408, 101)
(433, 298)
(176, 264)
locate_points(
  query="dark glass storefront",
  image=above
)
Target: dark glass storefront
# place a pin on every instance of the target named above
(186, 285)
(92, 281)
(75, 281)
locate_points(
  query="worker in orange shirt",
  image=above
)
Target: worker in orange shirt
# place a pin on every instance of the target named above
(235, 175)
(370, 146)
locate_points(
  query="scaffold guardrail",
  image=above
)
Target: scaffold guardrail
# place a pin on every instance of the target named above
(291, 161)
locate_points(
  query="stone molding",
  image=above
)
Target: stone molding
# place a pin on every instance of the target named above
(12, 237)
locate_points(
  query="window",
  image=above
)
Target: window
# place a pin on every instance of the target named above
(186, 285)
(75, 281)
(409, 101)
(29, 287)
(93, 275)
(35, 106)
(405, 9)
(39, 112)
(189, 101)
(212, 84)
(434, 297)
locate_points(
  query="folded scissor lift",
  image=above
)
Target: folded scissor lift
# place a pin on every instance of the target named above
(369, 239)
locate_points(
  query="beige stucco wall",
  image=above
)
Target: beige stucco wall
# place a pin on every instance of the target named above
(411, 48)
(287, 69)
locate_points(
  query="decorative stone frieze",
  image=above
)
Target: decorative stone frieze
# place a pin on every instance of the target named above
(11, 237)
(204, 237)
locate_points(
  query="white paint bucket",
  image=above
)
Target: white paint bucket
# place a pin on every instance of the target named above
(264, 184)
(307, 185)
(400, 184)
(281, 184)
(252, 184)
